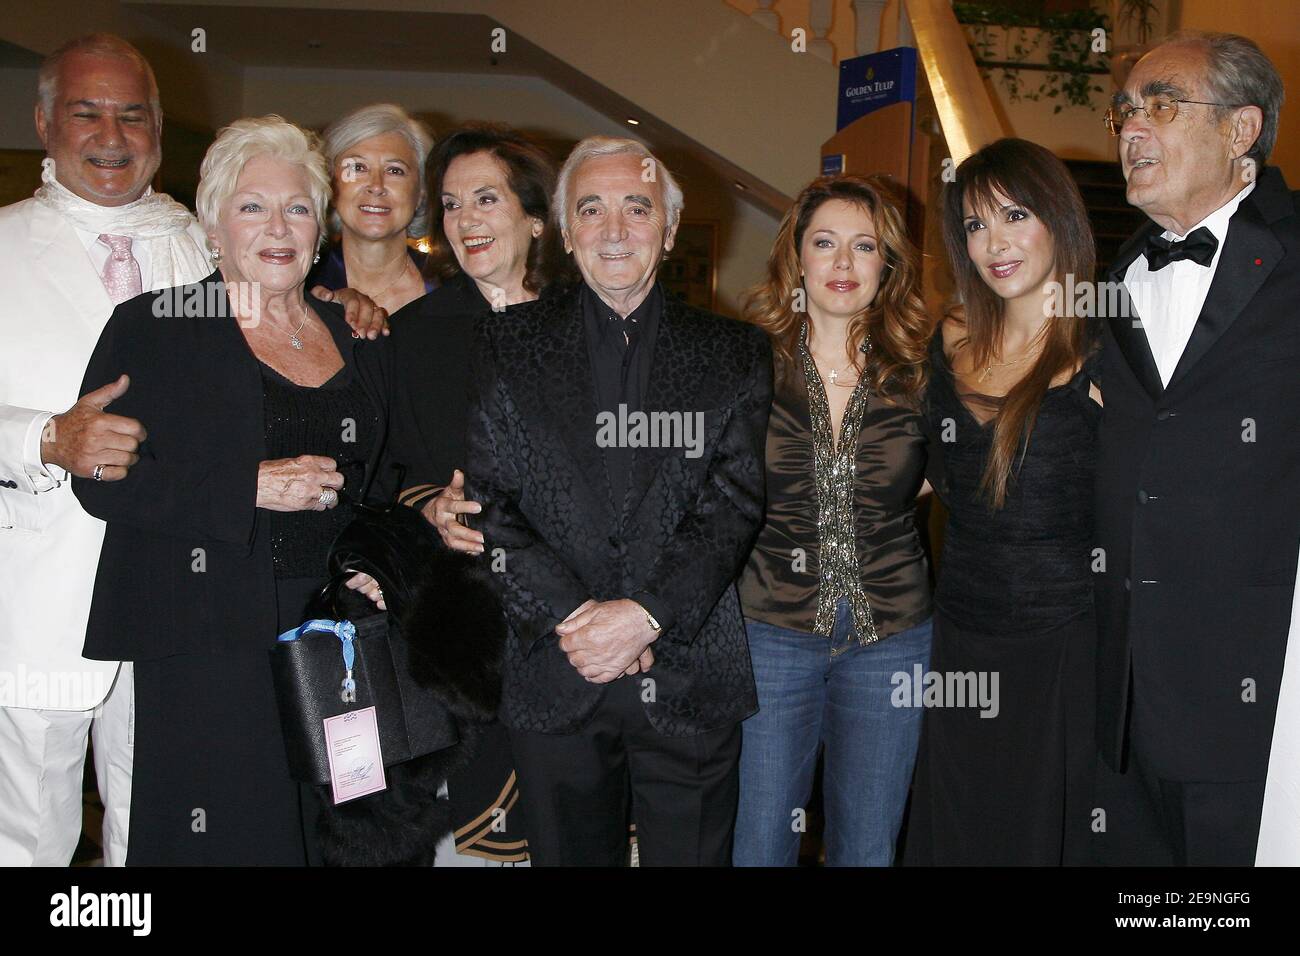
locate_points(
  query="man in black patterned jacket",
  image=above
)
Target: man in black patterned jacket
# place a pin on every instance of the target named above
(616, 446)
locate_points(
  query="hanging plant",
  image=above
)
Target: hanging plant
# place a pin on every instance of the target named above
(1069, 65)
(1141, 12)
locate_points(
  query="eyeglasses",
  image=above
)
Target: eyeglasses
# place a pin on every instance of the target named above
(1161, 110)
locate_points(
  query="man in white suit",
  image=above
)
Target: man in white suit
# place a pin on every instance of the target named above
(93, 235)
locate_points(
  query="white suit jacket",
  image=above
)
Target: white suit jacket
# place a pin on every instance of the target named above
(52, 309)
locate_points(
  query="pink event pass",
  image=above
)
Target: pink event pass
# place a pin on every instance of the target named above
(352, 745)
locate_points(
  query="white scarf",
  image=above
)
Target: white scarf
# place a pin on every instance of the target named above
(175, 257)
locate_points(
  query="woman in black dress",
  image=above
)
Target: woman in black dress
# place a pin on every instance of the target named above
(493, 246)
(1005, 775)
(265, 418)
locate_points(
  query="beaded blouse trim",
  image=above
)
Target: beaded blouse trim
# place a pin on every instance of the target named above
(833, 469)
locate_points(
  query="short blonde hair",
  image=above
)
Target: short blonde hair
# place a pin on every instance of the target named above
(247, 139)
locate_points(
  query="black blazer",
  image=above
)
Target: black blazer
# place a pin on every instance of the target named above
(186, 565)
(682, 534)
(1198, 509)
(432, 346)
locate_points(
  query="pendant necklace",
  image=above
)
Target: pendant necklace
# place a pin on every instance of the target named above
(988, 371)
(1029, 352)
(401, 274)
(834, 374)
(293, 336)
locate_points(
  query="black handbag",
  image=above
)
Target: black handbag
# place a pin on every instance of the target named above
(348, 656)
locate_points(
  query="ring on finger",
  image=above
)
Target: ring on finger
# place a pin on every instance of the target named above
(328, 496)
(98, 473)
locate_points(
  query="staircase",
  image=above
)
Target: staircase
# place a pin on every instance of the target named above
(1113, 219)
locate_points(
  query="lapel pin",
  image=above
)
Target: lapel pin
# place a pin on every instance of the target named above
(1259, 262)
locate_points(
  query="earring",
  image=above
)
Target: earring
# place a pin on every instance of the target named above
(315, 259)
(216, 254)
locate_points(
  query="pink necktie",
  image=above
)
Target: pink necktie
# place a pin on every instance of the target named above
(121, 271)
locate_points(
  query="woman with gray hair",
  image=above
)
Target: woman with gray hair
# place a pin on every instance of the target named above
(376, 156)
(265, 423)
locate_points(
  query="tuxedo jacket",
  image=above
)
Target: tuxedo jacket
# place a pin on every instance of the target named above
(555, 536)
(1198, 510)
(53, 307)
(186, 565)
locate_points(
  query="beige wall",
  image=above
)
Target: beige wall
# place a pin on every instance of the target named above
(198, 89)
(1275, 26)
(1074, 133)
(315, 97)
(732, 86)
(794, 13)
(1077, 132)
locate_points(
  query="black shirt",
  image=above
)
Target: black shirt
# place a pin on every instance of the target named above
(620, 351)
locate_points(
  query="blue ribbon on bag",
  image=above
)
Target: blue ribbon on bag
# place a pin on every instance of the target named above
(346, 633)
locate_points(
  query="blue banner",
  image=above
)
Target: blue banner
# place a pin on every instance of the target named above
(870, 82)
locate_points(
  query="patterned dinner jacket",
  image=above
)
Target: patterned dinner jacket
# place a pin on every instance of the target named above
(555, 537)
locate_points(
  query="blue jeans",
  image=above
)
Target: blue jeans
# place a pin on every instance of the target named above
(815, 691)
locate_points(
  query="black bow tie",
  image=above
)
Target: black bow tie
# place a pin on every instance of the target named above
(1199, 246)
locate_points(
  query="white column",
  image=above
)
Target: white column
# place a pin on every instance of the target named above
(905, 35)
(819, 24)
(866, 17)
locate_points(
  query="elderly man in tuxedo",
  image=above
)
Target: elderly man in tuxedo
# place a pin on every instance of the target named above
(1198, 514)
(94, 235)
(616, 447)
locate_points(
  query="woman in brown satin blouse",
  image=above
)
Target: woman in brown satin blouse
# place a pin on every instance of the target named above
(836, 594)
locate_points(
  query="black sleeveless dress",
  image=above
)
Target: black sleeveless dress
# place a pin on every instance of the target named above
(1006, 778)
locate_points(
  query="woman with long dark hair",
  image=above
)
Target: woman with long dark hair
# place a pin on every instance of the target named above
(1007, 753)
(836, 594)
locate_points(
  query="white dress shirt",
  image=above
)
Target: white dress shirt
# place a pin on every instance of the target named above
(1169, 301)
